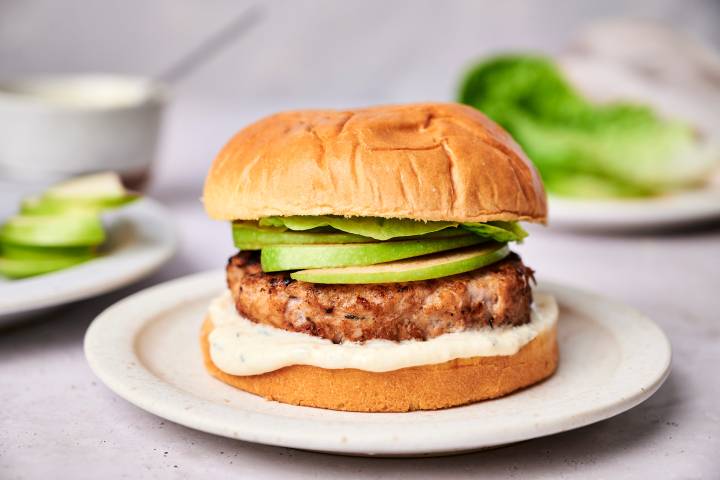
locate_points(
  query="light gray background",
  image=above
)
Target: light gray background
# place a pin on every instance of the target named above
(57, 420)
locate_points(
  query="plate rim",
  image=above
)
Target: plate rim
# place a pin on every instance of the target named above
(617, 214)
(164, 250)
(131, 385)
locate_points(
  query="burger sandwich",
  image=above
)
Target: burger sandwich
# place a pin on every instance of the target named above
(374, 270)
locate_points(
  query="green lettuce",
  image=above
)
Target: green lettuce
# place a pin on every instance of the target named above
(582, 148)
(373, 227)
(387, 228)
(499, 231)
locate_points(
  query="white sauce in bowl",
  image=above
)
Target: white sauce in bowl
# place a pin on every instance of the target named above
(89, 91)
(241, 347)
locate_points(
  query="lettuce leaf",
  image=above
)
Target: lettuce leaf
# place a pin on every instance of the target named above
(499, 231)
(582, 148)
(387, 228)
(373, 227)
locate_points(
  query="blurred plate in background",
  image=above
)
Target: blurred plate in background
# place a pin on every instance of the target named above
(648, 63)
(141, 238)
(672, 210)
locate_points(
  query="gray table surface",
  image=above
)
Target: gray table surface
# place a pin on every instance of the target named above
(58, 421)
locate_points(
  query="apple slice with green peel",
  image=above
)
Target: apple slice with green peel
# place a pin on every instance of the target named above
(423, 268)
(21, 268)
(89, 193)
(94, 186)
(53, 231)
(60, 206)
(295, 257)
(247, 235)
(25, 252)
(250, 236)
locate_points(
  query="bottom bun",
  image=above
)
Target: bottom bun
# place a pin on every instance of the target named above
(426, 387)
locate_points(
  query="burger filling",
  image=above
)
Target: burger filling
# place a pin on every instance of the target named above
(360, 279)
(494, 296)
(238, 346)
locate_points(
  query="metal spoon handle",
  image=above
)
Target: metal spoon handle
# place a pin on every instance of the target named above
(211, 45)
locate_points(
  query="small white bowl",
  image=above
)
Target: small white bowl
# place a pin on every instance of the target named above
(56, 126)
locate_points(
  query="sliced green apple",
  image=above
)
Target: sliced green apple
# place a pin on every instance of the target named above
(422, 268)
(53, 230)
(90, 193)
(21, 268)
(248, 234)
(59, 206)
(296, 257)
(93, 186)
(25, 252)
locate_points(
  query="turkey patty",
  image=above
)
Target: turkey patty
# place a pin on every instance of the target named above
(497, 295)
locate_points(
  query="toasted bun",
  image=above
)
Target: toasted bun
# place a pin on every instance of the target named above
(426, 162)
(428, 387)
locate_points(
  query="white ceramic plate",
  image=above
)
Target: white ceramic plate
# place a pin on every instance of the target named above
(140, 239)
(146, 349)
(679, 209)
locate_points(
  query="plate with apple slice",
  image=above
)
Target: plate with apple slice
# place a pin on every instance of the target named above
(78, 239)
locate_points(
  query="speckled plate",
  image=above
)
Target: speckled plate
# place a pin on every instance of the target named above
(146, 349)
(141, 238)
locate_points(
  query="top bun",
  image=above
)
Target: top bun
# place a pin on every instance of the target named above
(428, 161)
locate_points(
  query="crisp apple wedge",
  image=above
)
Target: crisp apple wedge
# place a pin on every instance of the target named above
(20, 261)
(25, 252)
(423, 268)
(60, 206)
(22, 268)
(53, 231)
(296, 257)
(93, 186)
(249, 236)
(90, 193)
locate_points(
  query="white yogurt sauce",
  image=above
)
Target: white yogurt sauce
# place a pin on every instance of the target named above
(81, 91)
(241, 347)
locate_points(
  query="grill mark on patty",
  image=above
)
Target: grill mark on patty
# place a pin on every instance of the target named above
(493, 296)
